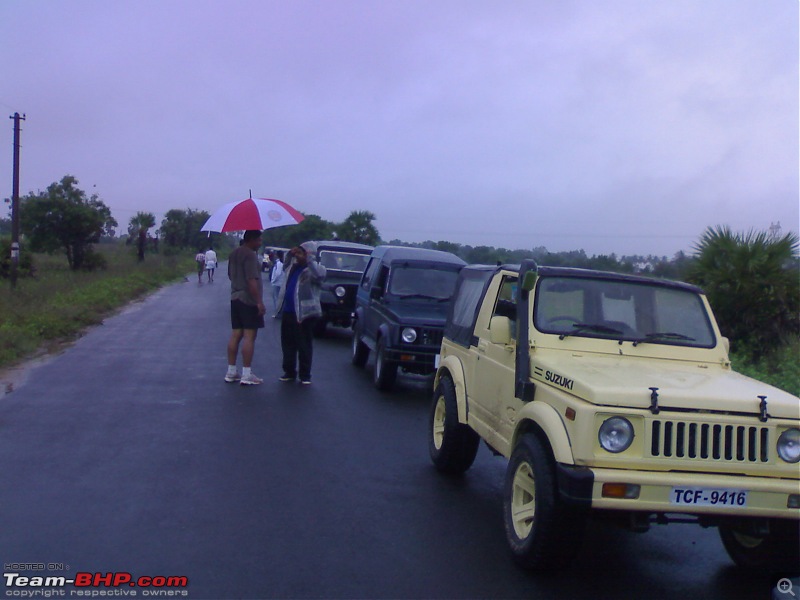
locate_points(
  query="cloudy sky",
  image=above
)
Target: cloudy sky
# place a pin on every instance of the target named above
(624, 126)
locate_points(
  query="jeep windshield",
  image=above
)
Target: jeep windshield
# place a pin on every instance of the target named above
(343, 261)
(621, 310)
(423, 282)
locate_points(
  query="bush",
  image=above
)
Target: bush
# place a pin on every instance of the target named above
(93, 261)
(25, 267)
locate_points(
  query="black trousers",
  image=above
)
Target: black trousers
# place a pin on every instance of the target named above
(296, 343)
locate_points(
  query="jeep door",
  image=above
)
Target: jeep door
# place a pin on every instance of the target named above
(374, 311)
(493, 386)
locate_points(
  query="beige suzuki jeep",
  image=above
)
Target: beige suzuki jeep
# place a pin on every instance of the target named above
(613, 396)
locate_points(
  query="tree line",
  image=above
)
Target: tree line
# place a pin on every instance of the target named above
(752, 279)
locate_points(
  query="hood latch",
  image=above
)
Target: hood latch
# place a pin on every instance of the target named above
(763, 409)
(654, 401)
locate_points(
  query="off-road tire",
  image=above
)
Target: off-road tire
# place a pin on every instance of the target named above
(452, 445)
(780, 549)
(360, 351)
(541, 531)
(385, 371)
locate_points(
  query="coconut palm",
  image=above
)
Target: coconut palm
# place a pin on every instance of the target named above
(752, 282)
(138, 226)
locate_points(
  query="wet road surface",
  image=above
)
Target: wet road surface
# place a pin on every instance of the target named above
(129, 453)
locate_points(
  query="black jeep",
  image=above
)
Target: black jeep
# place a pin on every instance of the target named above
(401, 307)
(345, 263)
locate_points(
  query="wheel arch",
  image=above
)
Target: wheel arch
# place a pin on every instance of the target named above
(543, 421)
(383, 331)
(451, 367)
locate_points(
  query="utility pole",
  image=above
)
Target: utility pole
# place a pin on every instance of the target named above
(15, 203)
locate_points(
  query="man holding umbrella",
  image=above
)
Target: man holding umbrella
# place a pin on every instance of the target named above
(247, 307)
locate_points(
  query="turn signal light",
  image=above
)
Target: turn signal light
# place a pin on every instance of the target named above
(625, 491)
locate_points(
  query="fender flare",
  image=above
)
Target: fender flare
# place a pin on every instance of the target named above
(544, 418)
(451, 367)
(383, 331)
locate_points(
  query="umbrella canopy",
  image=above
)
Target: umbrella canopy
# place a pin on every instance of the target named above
(252, 213)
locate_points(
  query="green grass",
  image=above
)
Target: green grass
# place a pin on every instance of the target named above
(58, 304)
(782, 369)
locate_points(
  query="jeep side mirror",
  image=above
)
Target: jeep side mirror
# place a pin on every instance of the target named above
(500, 330)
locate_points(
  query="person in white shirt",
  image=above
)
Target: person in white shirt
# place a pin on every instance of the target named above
(211, 263)
(276, 279)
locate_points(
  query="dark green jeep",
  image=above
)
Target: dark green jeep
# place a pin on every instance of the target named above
(401, 308)
(345, 263)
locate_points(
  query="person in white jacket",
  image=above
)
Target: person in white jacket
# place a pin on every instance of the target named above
(276, 279)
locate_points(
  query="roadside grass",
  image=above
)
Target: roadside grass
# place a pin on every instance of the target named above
(781, 369)
(58, 304)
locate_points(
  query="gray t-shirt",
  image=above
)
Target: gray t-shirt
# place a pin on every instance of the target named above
(243, 265)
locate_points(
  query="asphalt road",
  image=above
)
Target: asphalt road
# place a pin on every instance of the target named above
(128, 453)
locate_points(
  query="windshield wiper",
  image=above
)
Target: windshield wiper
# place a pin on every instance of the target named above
(596, 327)
(663, 335)
(418, 296)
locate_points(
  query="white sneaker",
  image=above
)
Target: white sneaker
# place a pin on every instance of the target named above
(232, 377)
(251, 380)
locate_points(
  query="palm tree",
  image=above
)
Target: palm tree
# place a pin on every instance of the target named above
(138, 226)
(358, 227)
(752, 284)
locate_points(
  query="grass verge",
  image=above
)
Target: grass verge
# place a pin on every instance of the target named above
(58, 304)
(781, 369)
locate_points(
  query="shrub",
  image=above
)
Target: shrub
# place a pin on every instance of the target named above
(25, 267)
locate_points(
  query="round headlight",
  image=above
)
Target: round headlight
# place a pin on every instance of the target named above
(409, 335)
(616, 434)
(789, 445)
(339, 291)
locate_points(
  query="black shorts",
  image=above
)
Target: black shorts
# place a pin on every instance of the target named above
(245, 316)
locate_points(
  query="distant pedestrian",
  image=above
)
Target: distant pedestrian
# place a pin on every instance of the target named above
(276, 278)
(247, 307)
(299, 307)
(211, 263)
(200, 259)
(266, 262)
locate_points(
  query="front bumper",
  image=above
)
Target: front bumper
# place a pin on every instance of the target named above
(583, 486)
(414, 359)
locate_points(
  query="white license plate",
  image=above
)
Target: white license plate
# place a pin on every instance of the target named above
(436, 361)
(694, 496)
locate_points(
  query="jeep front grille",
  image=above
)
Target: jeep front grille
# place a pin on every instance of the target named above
(430, 337)
(704, 441)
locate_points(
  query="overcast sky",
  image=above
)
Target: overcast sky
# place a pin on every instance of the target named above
(624, 126)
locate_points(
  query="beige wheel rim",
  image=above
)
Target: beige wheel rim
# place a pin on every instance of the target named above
(747, 541)
(523, 500)
(439, 415)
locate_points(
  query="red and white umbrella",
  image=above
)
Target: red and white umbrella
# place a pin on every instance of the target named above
(252, 213)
